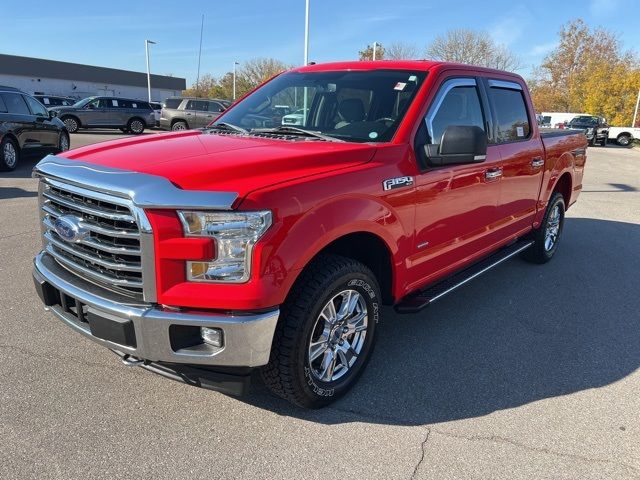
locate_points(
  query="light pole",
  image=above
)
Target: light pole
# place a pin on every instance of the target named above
(635, 112)
(234, 79)
(306, 60)
(146, 47)
(375, 47)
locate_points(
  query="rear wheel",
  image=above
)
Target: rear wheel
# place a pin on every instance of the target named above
(72, 124)
(136, 126)
(325, 334)
(9, 154)
(624, 139)
(179, 125)
(547, 236)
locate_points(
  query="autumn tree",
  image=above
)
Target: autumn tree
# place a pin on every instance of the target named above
(588, 72)
(367, 53)
(401, 51)
(248, 76)
(472, 47)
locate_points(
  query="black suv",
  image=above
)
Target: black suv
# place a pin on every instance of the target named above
(25, 127)
(595, 128)
(107, 112)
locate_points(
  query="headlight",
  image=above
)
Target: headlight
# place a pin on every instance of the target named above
(235, 234)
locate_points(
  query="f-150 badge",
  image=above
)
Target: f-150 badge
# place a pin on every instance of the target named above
(391, 183)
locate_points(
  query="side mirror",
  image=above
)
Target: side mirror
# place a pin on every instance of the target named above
(460, 144)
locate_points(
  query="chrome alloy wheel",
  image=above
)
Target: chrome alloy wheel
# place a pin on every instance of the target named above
(10, 155)
(338, 336)
(552, 229)
(136, 126)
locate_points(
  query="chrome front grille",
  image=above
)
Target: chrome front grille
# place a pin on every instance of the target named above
(110, 254)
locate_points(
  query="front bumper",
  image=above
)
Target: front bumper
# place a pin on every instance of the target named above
(150, 332)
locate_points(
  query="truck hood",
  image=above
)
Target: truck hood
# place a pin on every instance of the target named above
(196, 160)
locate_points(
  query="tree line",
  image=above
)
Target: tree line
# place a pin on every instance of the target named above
(587, 72)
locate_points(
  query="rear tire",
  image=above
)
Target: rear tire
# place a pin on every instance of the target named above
(9, 154)
(624, 140)
(136, 126)
(72, 124)
(179, 125)
(547, 236)
(325, 334)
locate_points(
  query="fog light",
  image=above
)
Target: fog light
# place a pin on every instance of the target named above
(211, 336)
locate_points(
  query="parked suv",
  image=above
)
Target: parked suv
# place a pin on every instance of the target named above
(107, 112)
(25, 127)
(187, 113)
(595, 128)
(50, 101)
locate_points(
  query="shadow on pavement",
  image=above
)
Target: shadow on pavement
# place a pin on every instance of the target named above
(521, 334)
(14, 192)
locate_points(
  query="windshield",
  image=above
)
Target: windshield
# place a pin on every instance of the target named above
(583, 120)
(356, 106)
(83, 102)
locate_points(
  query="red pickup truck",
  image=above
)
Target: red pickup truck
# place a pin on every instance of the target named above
(204, 254)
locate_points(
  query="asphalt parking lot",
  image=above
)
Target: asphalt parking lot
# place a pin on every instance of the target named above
(530, 372)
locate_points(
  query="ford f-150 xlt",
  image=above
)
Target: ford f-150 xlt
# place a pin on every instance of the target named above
(202, 255)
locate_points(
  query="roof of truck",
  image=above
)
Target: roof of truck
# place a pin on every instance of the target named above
(415, 65)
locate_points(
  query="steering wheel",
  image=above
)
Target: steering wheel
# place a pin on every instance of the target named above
(388, 121)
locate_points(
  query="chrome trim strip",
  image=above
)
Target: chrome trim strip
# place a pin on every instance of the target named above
(247, 337)
(477, 274)
(92, 242)
(505, 84)
(82, 208)
(143, 190)
(446, 87)
(94, 228)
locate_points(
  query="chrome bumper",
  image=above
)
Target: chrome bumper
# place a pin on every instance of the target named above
(247, 338)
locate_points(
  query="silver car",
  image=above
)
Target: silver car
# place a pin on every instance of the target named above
(187, 113)
(107, 112)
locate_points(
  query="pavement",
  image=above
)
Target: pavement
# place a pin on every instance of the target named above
(529, 372)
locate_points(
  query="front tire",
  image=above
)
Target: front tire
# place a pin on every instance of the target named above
(325, 334)
(63, 142)
(9, 154)
(547, 236)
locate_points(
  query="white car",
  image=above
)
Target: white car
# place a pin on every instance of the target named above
(624, 135)
(296, 118)
(157, 112)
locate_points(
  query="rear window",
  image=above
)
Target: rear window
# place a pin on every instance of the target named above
(15, 103)
(201, 105)
(172, 103)
(513, 121)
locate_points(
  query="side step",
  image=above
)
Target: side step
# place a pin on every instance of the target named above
(423, 298)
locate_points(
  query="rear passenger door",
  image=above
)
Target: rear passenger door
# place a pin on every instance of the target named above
(198, 114)
(522, 155)
(48, 133)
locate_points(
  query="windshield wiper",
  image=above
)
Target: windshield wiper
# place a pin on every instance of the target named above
(227, 126)
(296, 130)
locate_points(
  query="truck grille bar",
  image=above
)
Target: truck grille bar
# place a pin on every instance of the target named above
(111, 254)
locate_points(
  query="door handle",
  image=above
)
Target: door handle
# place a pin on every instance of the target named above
(493, 174)
(537, 162)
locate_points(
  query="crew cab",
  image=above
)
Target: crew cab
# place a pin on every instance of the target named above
(595, 128)
(202, 255)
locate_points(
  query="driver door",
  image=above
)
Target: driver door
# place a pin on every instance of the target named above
(456, 210)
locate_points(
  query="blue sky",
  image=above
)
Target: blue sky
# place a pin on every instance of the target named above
(112, 33)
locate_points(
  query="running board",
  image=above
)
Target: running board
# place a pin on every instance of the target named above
(423, 298)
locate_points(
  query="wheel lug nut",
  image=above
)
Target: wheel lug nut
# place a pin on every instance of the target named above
(340, 342)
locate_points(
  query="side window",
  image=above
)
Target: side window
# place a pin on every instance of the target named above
(15, 103)
(36, 107)
(124, 104)
(460, 106)
(215, 107)
(109, 103)
(511, 113)
(3, 107)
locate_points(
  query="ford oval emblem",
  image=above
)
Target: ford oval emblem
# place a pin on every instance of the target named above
(69, 229)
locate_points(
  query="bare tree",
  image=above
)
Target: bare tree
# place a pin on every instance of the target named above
(402, 51)
(474, 48)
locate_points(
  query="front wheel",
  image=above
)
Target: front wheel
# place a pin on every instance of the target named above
(9, 154)
(326, 332)
(547, 236)
(63, 142)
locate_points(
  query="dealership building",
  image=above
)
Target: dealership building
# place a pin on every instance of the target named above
(50, 77)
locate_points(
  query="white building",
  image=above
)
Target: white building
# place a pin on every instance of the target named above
(50, 77)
